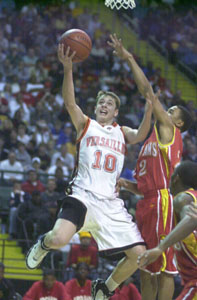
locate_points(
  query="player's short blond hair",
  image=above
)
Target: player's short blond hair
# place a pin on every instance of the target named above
(105, 93)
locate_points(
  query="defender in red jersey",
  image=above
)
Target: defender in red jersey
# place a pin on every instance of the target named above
(184, 235)
(157, 160)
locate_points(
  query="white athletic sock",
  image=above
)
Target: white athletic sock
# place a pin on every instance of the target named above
(111, 284)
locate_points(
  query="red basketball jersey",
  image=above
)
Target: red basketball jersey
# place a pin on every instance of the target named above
(186, 253)
(157, 161)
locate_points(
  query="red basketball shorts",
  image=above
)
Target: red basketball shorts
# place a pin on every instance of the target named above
(189, 291)
(154, 216)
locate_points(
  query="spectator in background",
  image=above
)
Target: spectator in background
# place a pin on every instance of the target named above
(32, 184)
(83, 252)
(59, 163)
(42, 153)
(80, 286)
(36, 163)
(126, 291)
(50, 196)
(11, 164)
(61, 182)
(23, 156)
(22, 135)
(16, 198)
(42, 133)
(3, 150)
(7, 291)
(67, 158)
(47, 288)
(65, 135)
(28, 217)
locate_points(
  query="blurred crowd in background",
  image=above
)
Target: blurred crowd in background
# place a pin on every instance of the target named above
(36, 134)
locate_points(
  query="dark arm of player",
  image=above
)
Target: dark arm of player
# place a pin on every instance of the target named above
(142, 82)
(128, 185)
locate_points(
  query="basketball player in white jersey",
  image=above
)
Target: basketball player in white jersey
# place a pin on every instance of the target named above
(92, 204)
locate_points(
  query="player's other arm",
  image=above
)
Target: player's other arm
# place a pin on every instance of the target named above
(128, 185)
(134, 136)
(142, 82)
(186, 225)
(192, 212)
(76, 114)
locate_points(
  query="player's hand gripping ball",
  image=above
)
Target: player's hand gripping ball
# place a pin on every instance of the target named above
(79, 41)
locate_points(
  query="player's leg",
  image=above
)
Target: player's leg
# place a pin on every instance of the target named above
(165, 286)
(127, 266)
(70, 219)
(149, 285)
(124, 269)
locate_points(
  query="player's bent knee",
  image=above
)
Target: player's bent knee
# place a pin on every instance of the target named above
(137, 250)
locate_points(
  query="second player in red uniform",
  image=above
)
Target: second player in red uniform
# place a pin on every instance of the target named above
(157, 160)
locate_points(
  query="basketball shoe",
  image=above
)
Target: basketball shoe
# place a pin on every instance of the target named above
(100, 290)
(36, 254)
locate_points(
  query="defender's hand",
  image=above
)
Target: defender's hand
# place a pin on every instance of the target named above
(119, 49)
(148, 257)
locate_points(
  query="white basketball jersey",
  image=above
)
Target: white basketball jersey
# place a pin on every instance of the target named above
(101, 151)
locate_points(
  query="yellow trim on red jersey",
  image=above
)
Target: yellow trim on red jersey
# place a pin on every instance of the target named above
(160, 143)
(164, 148)
(165, 205)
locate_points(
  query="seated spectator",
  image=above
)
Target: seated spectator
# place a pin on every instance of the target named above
(59, 163)
(79, 287)
(126, 291)
(3, 150)
(45, 159)
(36, 163)
(28, 216)
(47, 219)
(50, 196)
(61, 182)
(65, 134)
(7, 291)
(32, 184)
(11, 164)
(22, 136)
(67, 158)
(42, 133)
(83, 252)
(23, 156)
(47, 288)
(16, 198)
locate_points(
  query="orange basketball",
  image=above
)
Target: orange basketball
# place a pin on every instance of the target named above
(79, 41)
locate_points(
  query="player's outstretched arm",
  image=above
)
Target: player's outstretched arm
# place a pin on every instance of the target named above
(76, 114)
(128, 185)
(142, 82)
(134, 136)
(181, 231)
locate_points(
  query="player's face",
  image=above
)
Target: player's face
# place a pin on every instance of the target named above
(49, 281)
(106, 110)
(174, 114)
